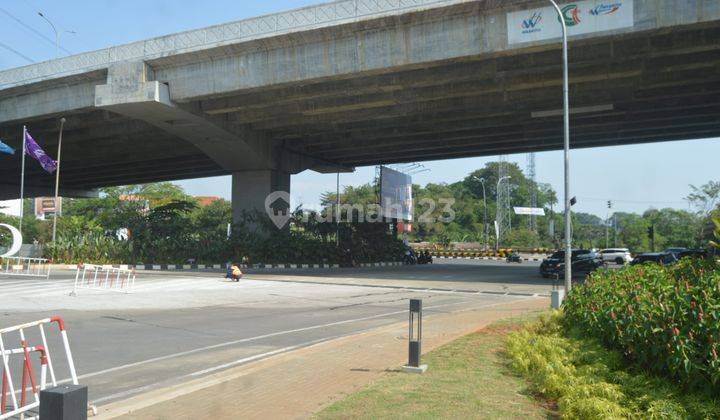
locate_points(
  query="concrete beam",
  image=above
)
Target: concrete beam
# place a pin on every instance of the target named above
(12, 192)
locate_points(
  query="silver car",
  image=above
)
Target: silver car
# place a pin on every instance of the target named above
(620, 256)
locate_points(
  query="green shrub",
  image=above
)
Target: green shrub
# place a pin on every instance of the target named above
(589, 381)
(665, 319)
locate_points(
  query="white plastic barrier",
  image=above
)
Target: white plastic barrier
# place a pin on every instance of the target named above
(29, 382)
(24, 267)
(98, 277)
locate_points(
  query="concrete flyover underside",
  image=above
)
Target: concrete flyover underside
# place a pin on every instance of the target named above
(355, 83)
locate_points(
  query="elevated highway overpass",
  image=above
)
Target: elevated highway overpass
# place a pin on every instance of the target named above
(363, 82)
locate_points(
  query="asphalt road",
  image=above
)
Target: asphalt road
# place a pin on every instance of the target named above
(179, 326)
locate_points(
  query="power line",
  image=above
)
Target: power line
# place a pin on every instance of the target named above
(12, 50)
(634, 201)
(33, 30)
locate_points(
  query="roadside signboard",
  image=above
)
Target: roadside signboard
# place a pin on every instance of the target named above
(45, 206)
(396, 194)
(529, 211)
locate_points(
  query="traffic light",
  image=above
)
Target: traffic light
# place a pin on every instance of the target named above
(609, 204)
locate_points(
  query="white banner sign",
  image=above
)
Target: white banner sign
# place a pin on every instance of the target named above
(529, 211)
(582, 17)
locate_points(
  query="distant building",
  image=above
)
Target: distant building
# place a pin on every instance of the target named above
(204, 201)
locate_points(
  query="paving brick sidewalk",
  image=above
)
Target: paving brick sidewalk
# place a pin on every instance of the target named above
(299, 383)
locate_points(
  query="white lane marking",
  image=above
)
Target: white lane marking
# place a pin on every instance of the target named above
(34, 292)
(31, 285)
(260, 337)
(209, 370)
(269, 353)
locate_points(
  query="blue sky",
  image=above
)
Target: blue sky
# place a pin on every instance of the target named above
(635, 177)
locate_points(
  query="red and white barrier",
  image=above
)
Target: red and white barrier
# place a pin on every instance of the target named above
(24, 267)
(29, 382)
(98, 277)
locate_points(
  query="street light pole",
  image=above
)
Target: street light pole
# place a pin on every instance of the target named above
(485, 225)
(57, 34)
(566, 118)
(497, 211)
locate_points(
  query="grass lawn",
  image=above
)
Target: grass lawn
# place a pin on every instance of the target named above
(467, 378)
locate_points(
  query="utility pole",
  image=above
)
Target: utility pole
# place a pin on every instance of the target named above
(607, 225)
(485, 225)
(651, 236)
(532, 221)
(57, 180)
(337, 212)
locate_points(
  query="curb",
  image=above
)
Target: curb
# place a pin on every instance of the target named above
(181, 267)
(484, 258)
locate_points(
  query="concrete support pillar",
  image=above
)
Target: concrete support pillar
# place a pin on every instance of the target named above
(250, 189)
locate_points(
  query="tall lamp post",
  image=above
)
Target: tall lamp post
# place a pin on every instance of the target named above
(566, 118)
(57, 34)
(485, 225)
(497, 211)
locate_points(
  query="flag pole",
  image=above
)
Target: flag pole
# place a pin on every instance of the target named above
(22, 180)
(57, 179)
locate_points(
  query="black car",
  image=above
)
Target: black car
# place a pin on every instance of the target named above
(583, 262)
(663, 258)
(675, 251)
(692, 253)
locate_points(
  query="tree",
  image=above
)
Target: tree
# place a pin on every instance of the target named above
(716, 243)
(706, 200)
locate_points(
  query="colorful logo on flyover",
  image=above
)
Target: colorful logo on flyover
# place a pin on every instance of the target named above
(529, 25)
(571, 14)
(605, 9)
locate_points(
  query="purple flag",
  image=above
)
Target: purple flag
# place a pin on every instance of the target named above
(32, 149)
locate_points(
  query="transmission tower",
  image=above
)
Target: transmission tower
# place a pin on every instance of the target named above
(532, 221)
(503, 216)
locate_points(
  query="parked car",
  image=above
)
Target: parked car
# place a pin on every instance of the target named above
(620, 256)
(692, 253)
(663, 258)
(675, 250)
(583, 262)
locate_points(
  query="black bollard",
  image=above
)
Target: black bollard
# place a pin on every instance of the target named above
(65, 402)
(415, 338)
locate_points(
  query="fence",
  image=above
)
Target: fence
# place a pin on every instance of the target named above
(98, 277)
(25, 267)
(24, 406)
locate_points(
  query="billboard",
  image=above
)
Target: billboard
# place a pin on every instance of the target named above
(581, 17)
(529, 211)
(45, 206)
(396, 194)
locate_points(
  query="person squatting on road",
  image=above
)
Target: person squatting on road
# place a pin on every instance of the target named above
(234, 272)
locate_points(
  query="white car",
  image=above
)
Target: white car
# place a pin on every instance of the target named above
(619, 256)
